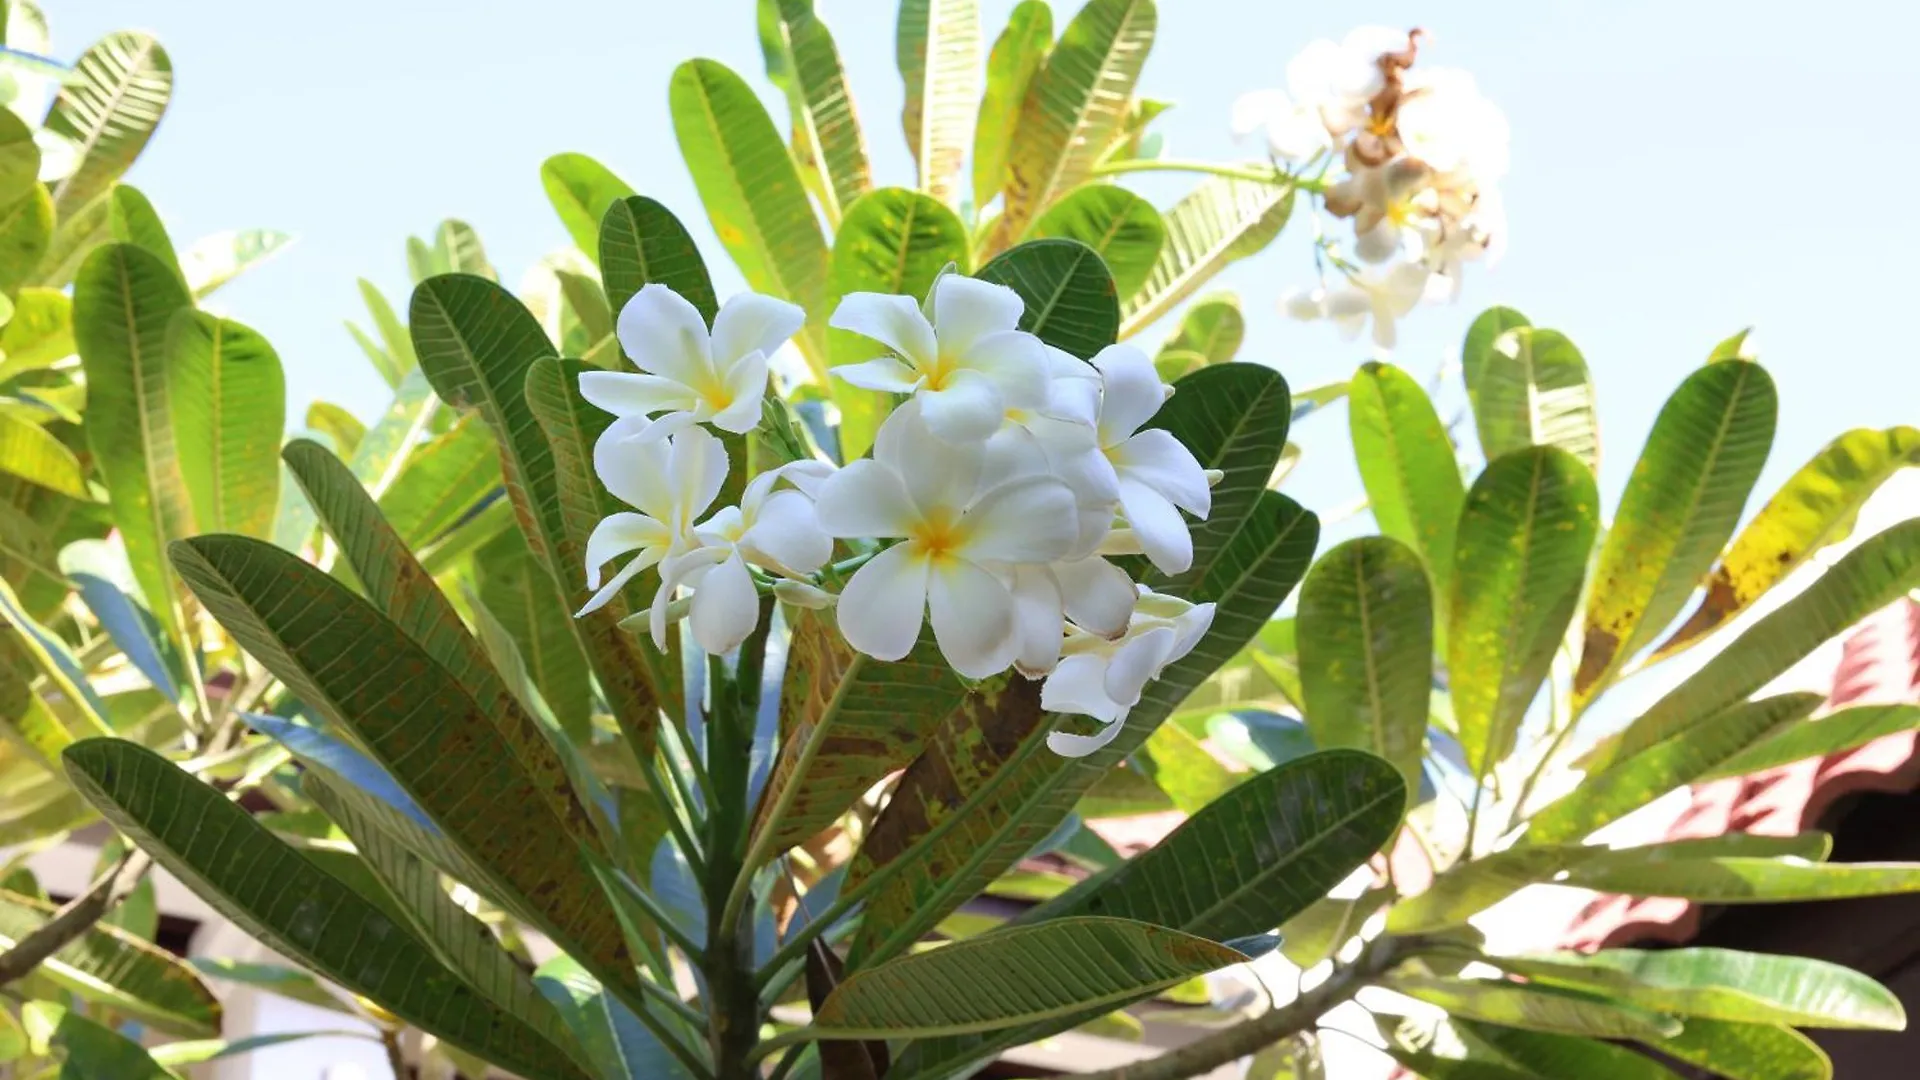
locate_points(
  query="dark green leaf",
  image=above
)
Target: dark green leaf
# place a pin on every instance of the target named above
(90, 1049)
(1069, 294)
(516, 592)
(1121, 227)
(641, 243)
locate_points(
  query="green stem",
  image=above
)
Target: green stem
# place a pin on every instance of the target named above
(1262, 174)
(658, 914)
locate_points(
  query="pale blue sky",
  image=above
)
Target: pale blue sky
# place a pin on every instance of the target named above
(1680, 169)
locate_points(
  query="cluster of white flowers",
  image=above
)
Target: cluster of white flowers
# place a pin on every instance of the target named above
(1414, 157)
(992, 499)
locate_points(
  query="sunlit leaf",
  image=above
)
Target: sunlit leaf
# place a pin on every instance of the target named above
(1221, 221)
(1017, 54)
(228, 400)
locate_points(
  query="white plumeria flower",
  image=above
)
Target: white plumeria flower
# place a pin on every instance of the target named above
(1382, 297)
(953, 529)
(688, 375)
(1154, 475)
(967, 367)
(671, 482)
(775, 530)
(1105, 679)
(1294, 129)
(1447, 123)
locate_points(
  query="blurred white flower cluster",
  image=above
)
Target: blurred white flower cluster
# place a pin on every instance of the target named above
(1411, 155)
(993, 498)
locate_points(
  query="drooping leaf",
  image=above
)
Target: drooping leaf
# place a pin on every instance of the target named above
(1073, 105)
(1748, 1051)
(826, 133)
(1519, 559)
(1533, 389)
(1835, 734)
(131, 219)
(1221, 221)
(1121, 227)
(582, 191)
(228, 402)
(1071, 303)
(115, 968)
(301, 911)
(1014, 976)
(1535, 1008)
(215, 259)
(937, 49)
(1815, 507)
(1210, 333)
(642, 242)
(108, 111)
(36, 455)
(1366, 651)
(1407, 465)
(1017, 54)
(1684, 499)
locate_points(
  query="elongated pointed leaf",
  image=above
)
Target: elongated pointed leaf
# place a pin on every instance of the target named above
(439, 739)
(88, 1047)
(1683, 501)
(442, 481)
(1210, 333)
(1879, 571)
(1748, 1051)
(826, 132)
(1548, 1056)
(457, 250)
(108, 110)
(1835, 734)
(342, 429)
(1741, 880)
(1533, 389)
(517, 594)
(1073, 105)
(1535, 1008)
(1121, 227)
(1234, 417)
(228, 400)
(1015, 976)
(124, 300)
(1407, 465)
(1366, 652)
(1017, 55)
(301, 911)
(1071, 303)
(1723, 984)
(641, 242)
(1442, 1049)
(115, 968)
(937, 49)
(318, 751)
(1519, 559)
(96, 572)
(1814, 508)
(1487, 328)
(215, 259)
(287, 982)
(620, 1047)
(1221, 221)
(36, 455)
(131, 219)
(582, 191)
(751, 191)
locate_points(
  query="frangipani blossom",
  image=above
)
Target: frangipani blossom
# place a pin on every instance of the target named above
(967, 367)
(953, 530)
(670, 481)
(689, 375)
(1105, 679)
(1154, 474)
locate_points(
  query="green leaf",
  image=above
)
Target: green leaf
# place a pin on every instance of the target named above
(228, 401)
(124, 300)
(457, 250)
(1210, 333)
(117, 969)
(1549, 1056)
(641, 242)
(1682, 502)
(1073, 106)
(751, 190)
(1686, 754)
(1069, 295)
(937, 49)
(1533, 389)
(19, 158)
(1535, 1008)
(442, 481)
(1366, 651)
(1221, 221)
(26, 233)
(285, 981)
(826, 133)
(1017, 55)
(1015, 976)
(196, 1051)
(1121, 227)
(1741, 880)
(1723, 984)
(216, 259)
(1814, 508)
(133, 220)
(108, 111)
(1407, 465)
(1487, 328)
(1439, 1048)
(1834, 734)
(451, 735)
(39, 334)
(396, 345)
(614, 1040)
(1748, 1051)
(890, 241)
(296, 908)
(1878, 571)
(517, 593)
(1519, 559)
(90, 1049)
(582, 191)
(1178, 765)
(36, 455)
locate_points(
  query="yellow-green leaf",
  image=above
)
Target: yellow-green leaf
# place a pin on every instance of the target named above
(937, 49)
(1017, 54)
(228, 398)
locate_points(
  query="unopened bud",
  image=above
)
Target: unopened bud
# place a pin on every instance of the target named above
(802, 595)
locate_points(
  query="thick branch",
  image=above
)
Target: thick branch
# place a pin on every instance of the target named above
(75, 917)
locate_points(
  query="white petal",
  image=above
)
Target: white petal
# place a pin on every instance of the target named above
(1037, 620)
(880, 373)
(967, 409)
(619, 581)
(725, 608)
(787, 533)
(699, 467)
(1078, 685)
(1157, 526)
(1255, 110)
(1160, 461)
(939, 477)
(1305, 305)
(865, 499)
(634, 469)
(1016, 361)
(972, 614)
(746, 386)
(1189, 629)
(1137, 663)
(750, 323)
(1097, 595)
(673, 423)
(623, 393)
(1133, 392)
(893, 321)
(684, 569)
(618, 534)
(882, 607)
(1068, 745)
(663, 334)
(1025, 521)
(967, 309)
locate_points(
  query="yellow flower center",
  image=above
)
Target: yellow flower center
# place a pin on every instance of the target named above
(939, 536)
